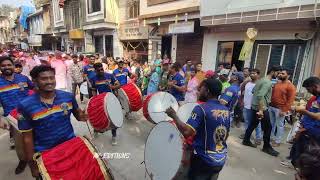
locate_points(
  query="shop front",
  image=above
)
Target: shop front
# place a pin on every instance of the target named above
(134, 38)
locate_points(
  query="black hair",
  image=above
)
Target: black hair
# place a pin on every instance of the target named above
(176, 66)
(246, 68)
(289, 71)
(214, 86)
(18, 65)
(255, 70)
(311, 81)
(34, 73)
(4, 58)
(74, 56)
(274, 69)
(97, 65)
(309, 162)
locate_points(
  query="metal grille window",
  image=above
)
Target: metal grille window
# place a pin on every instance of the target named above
(72, 15)
(94, 6)
(134, 9)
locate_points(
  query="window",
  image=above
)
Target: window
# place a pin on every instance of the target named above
(57, 11)
(109, 45)
(285, 54)
(134, 9)
(98, 44)
(94, 6)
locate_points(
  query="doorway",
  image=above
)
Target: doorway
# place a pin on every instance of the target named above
(166, 46)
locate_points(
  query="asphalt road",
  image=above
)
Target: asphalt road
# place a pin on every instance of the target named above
(243, 163)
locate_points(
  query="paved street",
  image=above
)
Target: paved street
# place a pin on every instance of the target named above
(243, 163)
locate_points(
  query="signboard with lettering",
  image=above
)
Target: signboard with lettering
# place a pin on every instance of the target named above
(133, 31)
(181, 27)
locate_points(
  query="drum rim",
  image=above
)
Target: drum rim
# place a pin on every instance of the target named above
(86, 110)
(165, 94)
(184, 106)
(85, 84)
(127, 99)
(105, 107)
(144, 153)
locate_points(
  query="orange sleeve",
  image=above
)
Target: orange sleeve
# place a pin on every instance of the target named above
(291, 96)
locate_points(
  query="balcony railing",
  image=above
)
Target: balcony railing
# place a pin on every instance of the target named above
(286, 13)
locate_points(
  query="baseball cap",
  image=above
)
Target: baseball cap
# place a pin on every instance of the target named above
(239, 75)
(224, 72)
(209, 73)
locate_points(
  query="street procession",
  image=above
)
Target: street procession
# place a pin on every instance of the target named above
(159, 90)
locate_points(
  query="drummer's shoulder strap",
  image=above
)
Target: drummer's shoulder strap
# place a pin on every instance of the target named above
(205, 126)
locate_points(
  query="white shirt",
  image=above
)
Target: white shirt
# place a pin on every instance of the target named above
(248, 94)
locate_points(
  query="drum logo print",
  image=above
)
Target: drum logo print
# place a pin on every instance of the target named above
(171, 137)
(64, 107)
(219, 136)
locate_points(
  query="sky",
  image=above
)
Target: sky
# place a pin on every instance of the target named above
(14, 3)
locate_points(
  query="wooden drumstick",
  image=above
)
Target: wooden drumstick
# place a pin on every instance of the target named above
(87, 123)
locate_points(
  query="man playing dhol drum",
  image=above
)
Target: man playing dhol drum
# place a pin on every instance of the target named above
(45, 116)
(13, 88)
(104, 82)
(210, 125)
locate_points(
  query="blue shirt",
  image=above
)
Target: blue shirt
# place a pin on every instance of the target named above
(179, 81)
(50, 124)
(89, 71)
(102, 83)
(12, 92)
(211, 122)
(121, 76)
(231, 96)
(312, 125)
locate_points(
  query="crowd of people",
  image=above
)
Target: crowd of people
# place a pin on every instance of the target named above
(225, 97)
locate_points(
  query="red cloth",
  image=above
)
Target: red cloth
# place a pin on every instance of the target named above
(96, 113)
(309, 104)
(72, 160)
(134, 96)
(145, 107)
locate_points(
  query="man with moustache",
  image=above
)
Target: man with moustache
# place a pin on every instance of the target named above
(104, 82)
(283, 96)
(43, 131)
(13, 88)
(259, 109)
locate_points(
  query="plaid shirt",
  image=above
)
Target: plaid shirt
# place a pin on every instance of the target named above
(76, 72)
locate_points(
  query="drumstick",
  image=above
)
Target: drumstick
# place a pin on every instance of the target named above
(87, 123)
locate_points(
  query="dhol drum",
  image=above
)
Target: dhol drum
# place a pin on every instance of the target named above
(184, 111)
(13, 118)
(105, 112)
(84, 89)
(165, 154)
(130, 97)
(155, 105)
(75, 159)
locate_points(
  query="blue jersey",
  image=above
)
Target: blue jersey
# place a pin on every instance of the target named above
(12, 92)
(312, 125)
(179, 81)
(89, 71)
(102, 84)
(231, 96)
(50, 123)
(211, 122)
(121, 76)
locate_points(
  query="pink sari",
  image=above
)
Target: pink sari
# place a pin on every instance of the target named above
(192, 89)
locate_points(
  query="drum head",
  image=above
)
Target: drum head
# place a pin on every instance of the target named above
(113, 109)
(84, 88)
(158, 104)
(124, 100)
(163, 151)
(184, 111)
